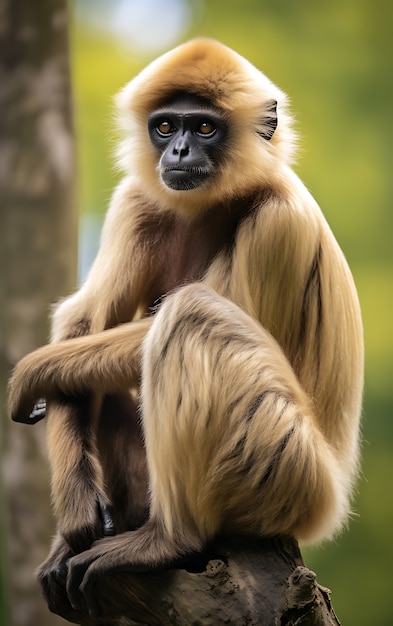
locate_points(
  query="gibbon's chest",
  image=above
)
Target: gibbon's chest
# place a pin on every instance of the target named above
(192, 246)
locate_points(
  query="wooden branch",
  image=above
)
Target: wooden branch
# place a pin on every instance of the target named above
(243, 580)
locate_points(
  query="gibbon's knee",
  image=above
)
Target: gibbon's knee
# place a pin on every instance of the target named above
(231, 440)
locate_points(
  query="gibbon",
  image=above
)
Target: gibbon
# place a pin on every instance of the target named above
(207, 377)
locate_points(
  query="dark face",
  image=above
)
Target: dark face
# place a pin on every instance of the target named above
(190, 135)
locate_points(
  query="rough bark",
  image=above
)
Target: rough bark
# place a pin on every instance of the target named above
(37, 247)
(241, 581)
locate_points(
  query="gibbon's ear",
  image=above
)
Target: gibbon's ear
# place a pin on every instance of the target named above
(268, 123)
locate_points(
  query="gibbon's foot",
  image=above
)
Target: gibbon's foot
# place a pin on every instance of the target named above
(81, 586)
(37, 414)
(83, 573)
(52, 576)
(125, 552)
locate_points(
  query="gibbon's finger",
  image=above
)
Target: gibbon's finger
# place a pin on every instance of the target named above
(108, 525)
(88, 589)
(77, 568)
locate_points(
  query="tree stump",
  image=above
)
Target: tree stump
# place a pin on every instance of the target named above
(238, 580)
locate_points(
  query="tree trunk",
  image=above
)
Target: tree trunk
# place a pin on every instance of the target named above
(240, 581)
(37, 244)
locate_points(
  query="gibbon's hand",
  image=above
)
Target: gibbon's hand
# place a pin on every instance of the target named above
(26, 397)
(38, 413)
(23, 406)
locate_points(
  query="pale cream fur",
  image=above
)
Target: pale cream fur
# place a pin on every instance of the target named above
(279, 302)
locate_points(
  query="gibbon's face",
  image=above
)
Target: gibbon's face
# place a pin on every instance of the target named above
(190, 135)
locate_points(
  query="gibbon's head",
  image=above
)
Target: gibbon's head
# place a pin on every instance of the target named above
(203, 125)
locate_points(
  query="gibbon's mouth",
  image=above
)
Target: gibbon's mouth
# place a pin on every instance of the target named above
(183, 178)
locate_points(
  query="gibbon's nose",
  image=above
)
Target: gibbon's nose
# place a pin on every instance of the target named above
(181, 147)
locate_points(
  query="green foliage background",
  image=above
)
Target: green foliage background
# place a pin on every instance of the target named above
(335, 61)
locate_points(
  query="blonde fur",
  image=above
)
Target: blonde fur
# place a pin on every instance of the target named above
(251, 371)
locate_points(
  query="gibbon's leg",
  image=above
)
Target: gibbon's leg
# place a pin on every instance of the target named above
(74, 374)
(85, 490)
(231, 442)
(81, 504)
(78, 479)
(123, 458)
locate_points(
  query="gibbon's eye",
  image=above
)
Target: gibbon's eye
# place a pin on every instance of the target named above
(206, 129)
(165, 128)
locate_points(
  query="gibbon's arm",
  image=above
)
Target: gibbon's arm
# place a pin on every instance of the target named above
(107, 362)
(123, 276)
(122, 280)
(290, 274)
